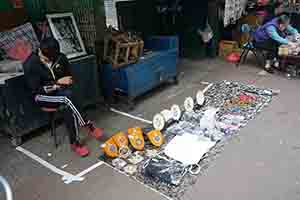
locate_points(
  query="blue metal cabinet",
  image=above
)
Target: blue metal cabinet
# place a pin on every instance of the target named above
(86, 87)
(153, 69)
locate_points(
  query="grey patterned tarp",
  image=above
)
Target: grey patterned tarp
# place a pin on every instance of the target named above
(216, 96)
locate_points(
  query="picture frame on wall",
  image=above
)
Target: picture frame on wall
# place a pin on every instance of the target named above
(64, 28)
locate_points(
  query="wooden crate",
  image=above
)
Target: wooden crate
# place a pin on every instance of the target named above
(120, 51)
(226, 47)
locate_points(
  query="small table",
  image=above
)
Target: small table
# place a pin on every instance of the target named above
(290, 59)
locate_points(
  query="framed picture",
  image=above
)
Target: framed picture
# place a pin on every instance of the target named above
(65, 30)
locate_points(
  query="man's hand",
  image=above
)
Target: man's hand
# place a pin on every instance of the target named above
(65, 81)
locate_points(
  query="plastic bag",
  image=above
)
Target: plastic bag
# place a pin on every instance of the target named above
(208, 121)
(206, 34)
(170, 172)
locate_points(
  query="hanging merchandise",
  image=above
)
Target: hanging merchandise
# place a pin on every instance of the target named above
(110, 148)
(233, 10)
(263, 2)
(206, 34)
(17, 3)
(136, 138)
(156, 138)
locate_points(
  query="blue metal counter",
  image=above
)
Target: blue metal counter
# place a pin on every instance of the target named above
(153, 69)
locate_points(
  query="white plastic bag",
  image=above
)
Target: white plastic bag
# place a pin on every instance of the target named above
(206, 34)
(208, 121)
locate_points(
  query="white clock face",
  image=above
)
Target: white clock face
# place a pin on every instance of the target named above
(200, 98)
(189, 104)
(159, 122)
(167, 114)
(176, 112)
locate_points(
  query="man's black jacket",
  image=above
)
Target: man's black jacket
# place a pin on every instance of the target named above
(37, 75)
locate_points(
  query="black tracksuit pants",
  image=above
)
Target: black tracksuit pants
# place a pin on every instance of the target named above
(71, 114)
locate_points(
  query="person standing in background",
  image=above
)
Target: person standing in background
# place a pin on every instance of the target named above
(275, 10)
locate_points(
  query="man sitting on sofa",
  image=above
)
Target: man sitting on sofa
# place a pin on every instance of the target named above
(48, 76)
(271, 35)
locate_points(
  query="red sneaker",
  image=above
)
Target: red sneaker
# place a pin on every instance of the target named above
(95, 132)
(80, 150)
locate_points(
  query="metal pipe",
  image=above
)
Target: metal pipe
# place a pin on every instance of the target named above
(7, 188)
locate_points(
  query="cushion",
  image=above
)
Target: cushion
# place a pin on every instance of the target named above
(8, 39)
(21, 51)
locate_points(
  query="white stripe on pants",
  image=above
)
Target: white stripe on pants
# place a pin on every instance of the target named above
(63, 100)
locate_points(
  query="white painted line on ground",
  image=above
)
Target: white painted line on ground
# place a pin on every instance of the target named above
(179, 92)
(158, 192)
(205, 83)
(88, 170)
(64, 166)
(66, 177)
(207, 87)
(130, 116)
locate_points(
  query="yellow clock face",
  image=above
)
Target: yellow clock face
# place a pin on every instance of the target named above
(156, 138)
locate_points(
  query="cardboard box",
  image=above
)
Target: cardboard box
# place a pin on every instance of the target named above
(226, 47)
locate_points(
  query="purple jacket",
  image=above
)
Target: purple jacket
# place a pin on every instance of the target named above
(261, 34)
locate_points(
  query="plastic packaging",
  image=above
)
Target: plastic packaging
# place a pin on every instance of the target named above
(206, 34)
(135, 158)
(208, 121)
(163, 169)
(119, 163)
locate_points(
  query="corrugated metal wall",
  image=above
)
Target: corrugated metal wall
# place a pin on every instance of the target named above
(111, 13)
